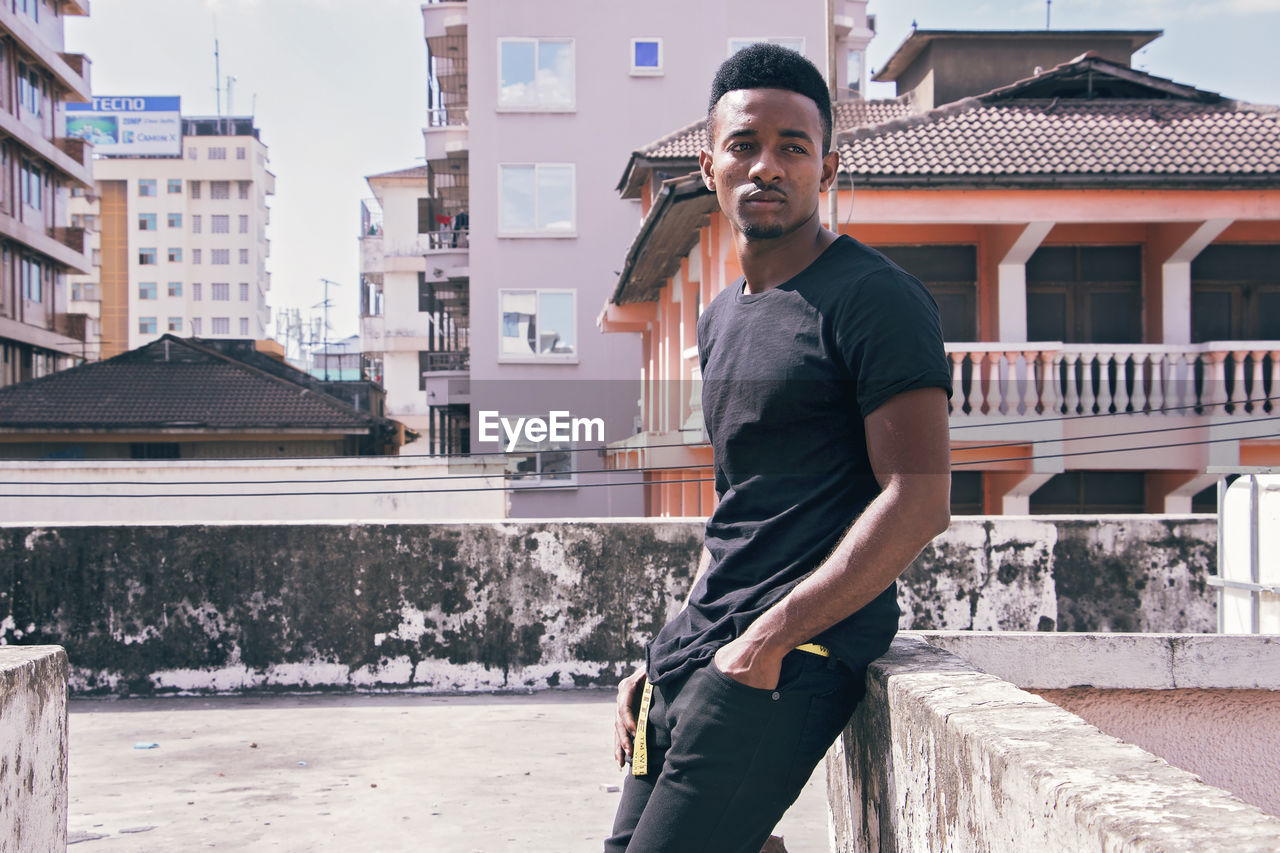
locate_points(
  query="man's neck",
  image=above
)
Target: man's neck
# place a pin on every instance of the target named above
(769, 263)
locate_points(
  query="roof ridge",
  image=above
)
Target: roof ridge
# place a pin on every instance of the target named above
(906, 122)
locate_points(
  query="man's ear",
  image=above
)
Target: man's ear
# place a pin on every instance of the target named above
(705, 164)
(830, 165)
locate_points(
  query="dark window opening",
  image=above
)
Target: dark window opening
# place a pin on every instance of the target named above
(1075, 492)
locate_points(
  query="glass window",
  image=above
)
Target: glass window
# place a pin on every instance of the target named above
(244, 188)
(175, 288)
(538, 324)
(32, 275)
(175, 220)
(175, 255)
(146, 186)
(646, 56)
(535, 73)
(244, 291)
(193, 153)
(222, 325)
(244, 326)
(221, 291)
(196, 324)
(196, 223)
(147, 290)
(219, 189)
(175, 324)
(244, 256)
(790, 42)
(241, 152)
(194, 188)
(146, 325)
(175, 185)
(244, 223)
(853, 72)
(32, 184)
(220, 223)
(217, 152)
(220, 256)
(196, 256)
(147, 257)
(537, 198)
(197, 291)
(146, 222)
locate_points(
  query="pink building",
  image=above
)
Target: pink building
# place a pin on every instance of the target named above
(1103, 244)
(484, 270)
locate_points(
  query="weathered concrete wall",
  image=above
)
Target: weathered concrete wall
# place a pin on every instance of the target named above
(454, 606)
(943, 757)
(33, 749)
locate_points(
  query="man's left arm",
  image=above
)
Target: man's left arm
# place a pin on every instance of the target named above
(910, 453)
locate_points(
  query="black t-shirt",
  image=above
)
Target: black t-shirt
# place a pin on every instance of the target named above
(788, 375)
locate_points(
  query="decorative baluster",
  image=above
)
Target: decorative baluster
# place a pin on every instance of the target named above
(1237, 394)
(1215, 391)
(1027, 384)
(981, 389)
(1070, 392)
(1138, 399)
(1273, 390)
(1106, 393)
(1005, 367)
(1121, 390)
(1046, 367)
(1087, 397)
(1256, 395)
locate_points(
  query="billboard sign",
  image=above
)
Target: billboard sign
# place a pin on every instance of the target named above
(128, 126)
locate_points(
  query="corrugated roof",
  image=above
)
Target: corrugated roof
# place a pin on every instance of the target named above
(175, 383)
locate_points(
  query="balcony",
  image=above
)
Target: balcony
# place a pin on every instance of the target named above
(435, 362)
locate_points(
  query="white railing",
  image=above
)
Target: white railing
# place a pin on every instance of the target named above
(1050, 379)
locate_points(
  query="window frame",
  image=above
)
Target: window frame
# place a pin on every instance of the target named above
(148, 257)
(571, 107)
(148, 290)
(147, 325)
(173, 220)
(645, 70)
(175, 324)
(536, 357)
(147, 188)
(536, 233)
(174, 185)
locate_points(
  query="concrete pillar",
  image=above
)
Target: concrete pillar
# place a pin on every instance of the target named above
(1011, 274)
(33, 748)
(1175, 278)
(1013, 489)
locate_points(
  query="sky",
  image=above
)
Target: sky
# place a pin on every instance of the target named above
(338, 89)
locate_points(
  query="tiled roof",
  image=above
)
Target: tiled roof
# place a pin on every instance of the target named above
(689, 140)
(411, 172)
(1005, 134)
(175, 383)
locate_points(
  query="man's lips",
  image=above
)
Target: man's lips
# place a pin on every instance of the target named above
(765, 199)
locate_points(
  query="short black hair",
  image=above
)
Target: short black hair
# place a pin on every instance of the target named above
(771, 66)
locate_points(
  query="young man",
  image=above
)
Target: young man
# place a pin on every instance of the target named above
(825, 392)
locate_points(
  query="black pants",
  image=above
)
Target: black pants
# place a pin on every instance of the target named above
(727, 760)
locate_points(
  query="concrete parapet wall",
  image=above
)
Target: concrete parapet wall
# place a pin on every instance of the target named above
(509, 605)
(941, 756)
(33, 749)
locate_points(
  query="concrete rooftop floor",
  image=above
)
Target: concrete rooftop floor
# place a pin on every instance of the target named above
(397, 772)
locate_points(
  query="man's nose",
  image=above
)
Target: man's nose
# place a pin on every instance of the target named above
(767, 168)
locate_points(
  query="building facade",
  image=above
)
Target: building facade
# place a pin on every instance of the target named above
(39, 333)
(179, 243)
(484, 274)
(1103, 245)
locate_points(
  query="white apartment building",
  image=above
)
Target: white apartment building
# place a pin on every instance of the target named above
(483, 271)
(179, 243)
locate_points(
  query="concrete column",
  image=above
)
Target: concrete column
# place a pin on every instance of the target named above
(33, 748)
(1175, 278)
(1012, 281)
(1015, 488)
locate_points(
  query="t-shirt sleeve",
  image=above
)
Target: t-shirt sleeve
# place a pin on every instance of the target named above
(890, 337)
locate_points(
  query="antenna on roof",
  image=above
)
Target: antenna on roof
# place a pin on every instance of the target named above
(1048, 7)
(217, 75)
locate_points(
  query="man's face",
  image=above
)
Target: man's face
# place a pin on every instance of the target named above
(766, 164)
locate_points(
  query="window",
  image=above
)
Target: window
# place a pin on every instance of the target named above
(32, 184)
(1091, 492)
(244, 326)
(146, 325)
(244, 223)
(535, 74)
(646, 57)
(147, 257)
(217, 152)
(32, 280)
(175, 288)
(193, 188)
(30, 8)
(244, 256)
(175, 220)
(29, 89)
(536, 199)
(196, 256)
(550, 464)
(219, 189)
(196, 326)
(221, 291)
(538, 324)
(146, 186)
(174, 255)
(951, 275)
(193, 154)
(175, 185)
(1085, 294)
(1235, 294)
(146, 222)
(244, 291)
(790, 42)
(244, 188)
(241, 152)
(197, 291)
(197, 223)
(222, 325)
(220, 256)
(853, 72)
(175, 324)
(220, 223)
(147, 290)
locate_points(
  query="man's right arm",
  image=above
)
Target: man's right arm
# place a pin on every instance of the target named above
(624, 724)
